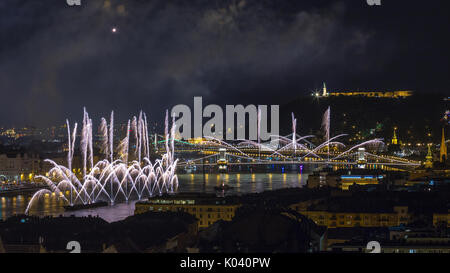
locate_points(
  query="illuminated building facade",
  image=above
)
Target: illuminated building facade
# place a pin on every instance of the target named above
(207, 209)
(198, 140)
(356, 218)
(388, 94)
(368, 94)
(19, 166)
(439, 218)
(362, 180)
(343, 182)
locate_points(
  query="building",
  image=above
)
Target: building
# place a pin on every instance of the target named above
(19, 166)
(441, 218)
(264, 229)
(153, 232)
(344, 180)
(375, 94)
(361, 180)
(25, 234)
(399, 239)
(369, 94)
(366, 234)
(22, 248)
(206, 208)
(145, 232)
(321, 179)
(354, 215)
(393, 247)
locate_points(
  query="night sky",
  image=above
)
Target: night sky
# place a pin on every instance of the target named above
(127, 55)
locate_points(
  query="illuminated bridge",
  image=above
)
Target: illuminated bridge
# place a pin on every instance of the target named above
(285, 150)
(214, 152)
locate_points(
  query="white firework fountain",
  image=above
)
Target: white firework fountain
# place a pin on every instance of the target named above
(111, 179)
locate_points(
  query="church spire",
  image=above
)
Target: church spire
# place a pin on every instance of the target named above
(394, 138)
(443, 154)
(324, 93)
(429, 158)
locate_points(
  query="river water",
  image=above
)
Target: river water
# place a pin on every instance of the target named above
(241, 182)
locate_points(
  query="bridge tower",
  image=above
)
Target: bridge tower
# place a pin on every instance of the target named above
(362, 158)
(443, 152)
(222, 160)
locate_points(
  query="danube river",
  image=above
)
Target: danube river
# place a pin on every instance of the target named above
(241, 182)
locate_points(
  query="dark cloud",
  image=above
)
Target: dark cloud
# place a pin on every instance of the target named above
(57, 59)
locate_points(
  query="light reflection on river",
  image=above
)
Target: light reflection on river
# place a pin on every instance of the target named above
(241, 182)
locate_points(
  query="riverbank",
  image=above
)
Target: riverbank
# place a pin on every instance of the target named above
(21, 190)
